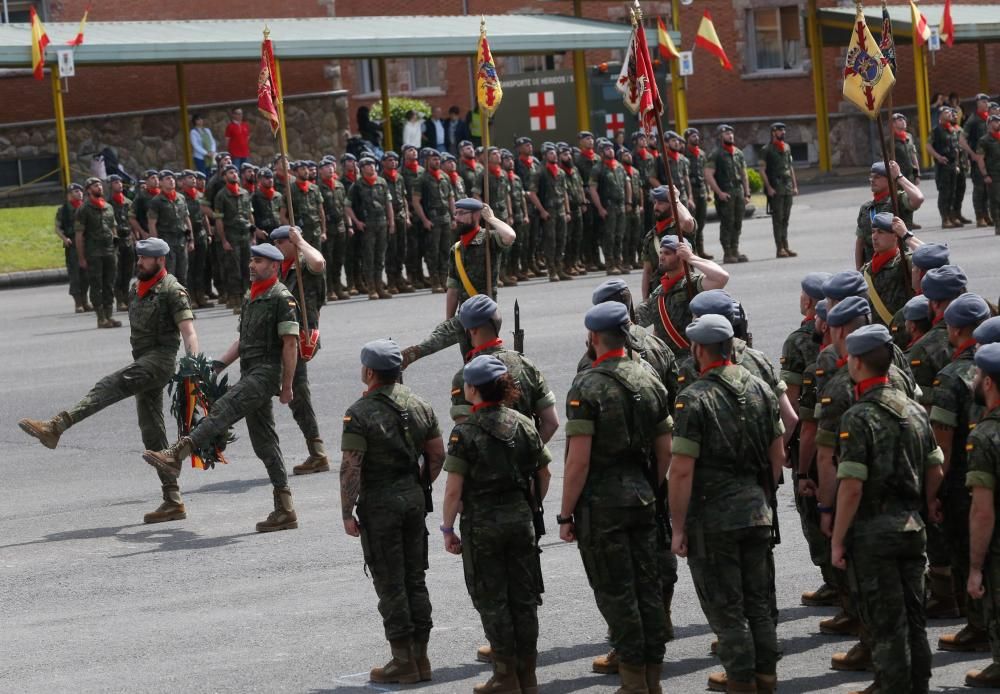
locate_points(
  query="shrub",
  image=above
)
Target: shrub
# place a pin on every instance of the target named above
(756, 182)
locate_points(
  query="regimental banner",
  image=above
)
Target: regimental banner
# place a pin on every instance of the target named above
(542, 111)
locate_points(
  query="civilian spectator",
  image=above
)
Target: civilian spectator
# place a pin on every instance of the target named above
(456, 130)
(202, 144)
(238, 137)
(412, 129)
(435, 131)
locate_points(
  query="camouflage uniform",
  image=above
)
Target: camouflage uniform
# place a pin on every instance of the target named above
(551, 191)
(677, 305)
(890, 286)
(335, 246)
(927, 357)
(590, 241)
(198, 258)
(79, 284)
(799, 350)
(235, 211)
(314, 287)
(989, 148)
(728, 170)
(886, 443)
(871, 208)
(680, 172)
(535, 393)
(171, 217)
(518, 203)
(308, 208)
(984, 468)
(577, 203)
(623, 408)
(126, 249)
(415, 241)
(633, 217)
(497, 451)
(649, 252)
(976, 131)
(267, 210)
(371, 204)
(778, 167)
(754, 361)
(140, 207)
(499, 192)
(99, 229)
(395, 255)
(609, 181)
(390, 425)
(699, 194)
(474, 262)
(945, 143)
(529, 170)
(471, 171)
(434, 194)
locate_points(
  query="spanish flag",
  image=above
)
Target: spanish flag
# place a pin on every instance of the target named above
(947, 25)
(664, 42)
(921, 32)
(39, 40)
(709, 40)
(868, 79)
(79, 32)
(488, 89)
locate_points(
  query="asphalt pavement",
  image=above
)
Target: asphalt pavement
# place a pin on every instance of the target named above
(94, 601)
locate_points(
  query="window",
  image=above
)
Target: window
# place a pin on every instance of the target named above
(18, 172)
(424, 74)
(18, 11)
(518, 64)
(776, 44)
(366, 76)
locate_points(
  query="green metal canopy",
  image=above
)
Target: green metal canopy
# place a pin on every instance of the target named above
(973, 23)
(197, 41)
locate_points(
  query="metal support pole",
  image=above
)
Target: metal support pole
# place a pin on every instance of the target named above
(677, 84)
(923, 101)
(383, 83)
(185, 118)
(281, 109)
(57, 103)
(580, 82)
(819, 87)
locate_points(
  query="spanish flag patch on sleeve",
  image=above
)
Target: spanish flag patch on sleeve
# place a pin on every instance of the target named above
(456, 391)
(679, 406)
(915, 362)
(454, 438)
(574, 403)
(347, 418)
(844, 435)
(969, 447)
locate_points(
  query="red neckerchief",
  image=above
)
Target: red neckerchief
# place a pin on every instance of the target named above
(351, 176)
(510, 175)
(780, 145)
(715, 365)
(233, 188)
(391, 174)
(528, 161)
(879, 197)
(250, 187)
(826, 341)
(901, 135)
(260, 286)
(98, 202)
(968, 344)
(588, 154)
(436, 173)
(879, 260)
(985, 115)
(76, 203)
(611, 163)
(412, 165)
(485, 404)
(696, 151)
(613, 354)
(913, 340)
(666, 283)
(470, 162)
(495, 342)
(191, 193)
(995, 135)
(810, 318)
(729, 148)
(643, 154)
(370, 180)
(119, 198)
(143, 286)
(170, 195)
(467, 237)
(153, 192)
(937, 318)
(268, 193)
(673, 154)
(628, 168)
(869, 383)
(302, 185)
(661, 226)
(286, 265)
(841, 361)
(553, 169)
(331, 182)
(496, 172)
(453, 175)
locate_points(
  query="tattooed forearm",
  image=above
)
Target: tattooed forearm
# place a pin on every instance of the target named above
(350, 482)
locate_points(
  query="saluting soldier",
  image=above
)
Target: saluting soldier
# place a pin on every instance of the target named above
(395, 256)
(635, 212)
(233, 224)
(726, 174)
(663, 225)
(198, 212)
(95, 231)
(372, 217)
(159, 316)
(577, 195)
(988, 165)
(337, 227)
(889, 284)
(699, 189)
(307, 204)
(908, 196)
(65, 216)
(385, 433)
(267, 347)
(609, 190)
(780, 185)
(124, 241)
(169, 220)
(434, 203)
(618, 421)
(267, 203)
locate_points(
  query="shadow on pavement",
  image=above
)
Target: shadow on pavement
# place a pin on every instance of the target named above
(230, 487)
(81, 534)
(174, 539)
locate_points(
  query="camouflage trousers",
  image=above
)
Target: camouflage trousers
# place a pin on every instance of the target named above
(554, 238)
(818, 543)
(301, 404)
(632, 244)
(613, 234)
(334, 249)
(946, 180)
(518, 259)
(980, 199)
(781, 210)
(732, 577)
(730, 219)
(699, 210)
(236, 265)
(144, 379)
(438, 243)
(79, 284)
(197, 259)
(886, 575)
(177, 262)
(250, 399)
(101, 271)
(574, 236)
(501, 573)
(590, 238)
(394, 542)
(125, 272)
(991, 602)
(372, 245)
(395, 251)
(618, 548)
(956, 205)
(957, 502)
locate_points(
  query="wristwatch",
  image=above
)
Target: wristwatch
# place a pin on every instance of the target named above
(564, 520)
(908, 235)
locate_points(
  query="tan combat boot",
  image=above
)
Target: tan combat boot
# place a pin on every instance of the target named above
(633, 679)
(504, 679)
(381, 290)
(484, 654)
(108, 316)
(941, 603)
(78, 304)
(606, 664)
(437, 286)
(857, 659)
(824, 596)
(172, 507)
(653, 673)
(564, 273)
(423, 662)
(168, 461)
(766, 684)
(526, 673)
(791, 254)
(718, 682)
(840, 624)
(317, 460)
(968, 640)
(984, 679)
(402, 669)
(283, 516)
(553, 275)
(48, 432)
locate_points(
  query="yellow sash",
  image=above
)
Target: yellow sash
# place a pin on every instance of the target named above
(460, 268)
(880, 308)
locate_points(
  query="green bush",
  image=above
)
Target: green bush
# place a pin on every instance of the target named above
(756, 182)
(398, 106)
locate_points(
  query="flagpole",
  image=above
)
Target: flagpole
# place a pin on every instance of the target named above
(484, 115)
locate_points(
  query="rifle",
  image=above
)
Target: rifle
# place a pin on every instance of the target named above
(767, 482)
(537, 512)
(664, 531)
(424, 471)
(518, 332)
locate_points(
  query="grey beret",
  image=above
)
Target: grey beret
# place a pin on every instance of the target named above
(470, 204)
(477, 311)
(988, 331)
(917, 308)
(882, 221)
(944, 283)
(709, 330)
(968, 309)
(670, 242)
(878, 168)
(866, 338)
(152, 248)
(812, 284)
(584, 133)
(150, 172)
(347, 156)
(266, 250)
(228, 168)
(448, 156)
(778, 125)
(327, 160)
(660, 193)
(930, 256)
(713, 302)
(390, 155)
(367, 161)
(282, 232)
(607, 290)
(381, 355)
(844, 284)
(266, 173)
(167, 173)
(725, 127)
(483, 369)
(74, 186)
(608, 316)
(523, 140)
(847, 310)
(672, 135)
(821, 310)
(691, 131)
(465, 143)
(988, 358)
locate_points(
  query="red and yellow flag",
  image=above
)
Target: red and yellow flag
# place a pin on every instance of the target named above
(267, 92)
(79, 32)
(488, 89)
(868, 79)
(665, 44)
(637, 81)
(39, 40)
(709, 40)
(947, 25)
(921, 32)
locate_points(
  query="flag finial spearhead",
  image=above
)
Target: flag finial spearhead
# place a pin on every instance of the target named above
(267, 32)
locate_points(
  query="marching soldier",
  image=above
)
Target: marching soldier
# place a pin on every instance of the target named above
(548, 194)
(233, 224)
(65, 216)
(609, 190)
(267, 203)
(371, 215)
(337, 227)
(943, 146)
(635, 212)
(908, 197)
(434, 203)
(395, 255)
(169, 220)
(198, 211)
(416, 240)
(307, 204)
(726, 174)
(267, 347)
(124, 241)
(159, 317)
(988, 165)
(618, 419)
(95, 230)
(780, 185)
(386, 431)
(577, 195)
(889, 283)
(663, 225)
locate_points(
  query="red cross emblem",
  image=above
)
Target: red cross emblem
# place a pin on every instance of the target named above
(614, 122)
(542, 110)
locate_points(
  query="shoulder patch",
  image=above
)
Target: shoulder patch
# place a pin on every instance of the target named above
(895, 329)
(347, 418)
(456, 391)
(682, 379)
(679, 406)
(844, 435)
(807, 381)
(937, 382)
(916, 362)
(969, 447)
(453, 438)
(826, 401)
(820, 372)
(574, 403)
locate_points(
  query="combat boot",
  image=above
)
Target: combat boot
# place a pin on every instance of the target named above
(981, 222)
(962, 219)
(857, 659)
(623, 268)
(740, 258)
(553, 275)
(782, 253)
(791, 254)
(984, 679)
(653, 673)
(633, 679)
(317, 460)
(526, 674)
(510, 280)
(373, 295)
(968, 640)
(870, 689)
(437, 287)
(341, 292)
(102, 322)
(947, 223)
(172, 507)
(824, 596)
(941, 602)
(719, 682)
(606, 664)
(204, 302)
(484, 654)
(123, 307)
(668, 598)
(729, 256)
(78, 305)
(766, 684)
(381, 290)
(112, 323)
(401, 669)
(404, 286)
(86, 306)
(504, 679)
(423, 662)
(283, 516)
(168, 461)
(840, 624)
(48, 432)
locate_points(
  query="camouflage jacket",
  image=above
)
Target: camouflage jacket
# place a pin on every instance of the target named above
(989, 148)
(649, 253)
(121, 220)
(471, 173)
(696, 172)
(371, 202)
(754, 361)
(928, 356)
(314, 288)
(474, 261)
(551, 189)
(196, 212)
(892, 285)
(678, 309)
(652, 351)
(434, 194)
(728, 169)
(264, 321)
(609, 182)
(574, 188)
(798, 352)
(171, 217)
(334, 200)
(154, 319)
(680, 170)
(778, 167)
(308, 208)
(635, 178)
(411, 179)
(528, 170)
(99, 229)
(517, 197)
(867, 213)
(647, 165)
(499, 191)
(952, 405)
(397, 189)
(235, 211)
(535, 393)
(140, 208)
(983, 454)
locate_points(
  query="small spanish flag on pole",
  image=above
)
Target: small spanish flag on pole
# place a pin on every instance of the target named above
(709, 40)
(665, 44)
(39, 40)
(921, 32)
(78, 40)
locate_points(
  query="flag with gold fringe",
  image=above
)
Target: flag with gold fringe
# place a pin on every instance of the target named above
(267, 91)
(868, 79)
(488, 89)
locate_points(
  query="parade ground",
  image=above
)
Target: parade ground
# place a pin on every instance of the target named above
(93, 600)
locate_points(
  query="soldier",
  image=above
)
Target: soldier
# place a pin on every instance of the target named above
(943, 146)
(549, 197)
(498, 474)
(889, 282)
(908, 197)
(906, 156)
(352, 256)
(780, 184)
(198, 211)
(450, 166)
(371, 214)
(416, 241)
(726, 174)
(529, 168)
(609, 189)
(395, 255)
(267, 347)
(635, 212)
(618, 420)
(282, 174)
(124, 241)
(386, 431)
(65, 216)
(140, 203)
(159, 316)
(577, 204)
(666, 308)
(248, 177)
(585, 162)
(511, 271)
(953, 410)
(931, 353)
(699, 189)
(337, 227)
(680, 168)
(984, 467)
(728, 422)
(169, 220)
(924, 258)
(95, 232)
(645, 159)
(307, 204)
(233, 223)
(663, 225)
(499, 197)
(988, 165)
(218, 180)
(916, 316)
(469, 167)
(890, 467)
(434, 203)
(268, 204)
(312, 268)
